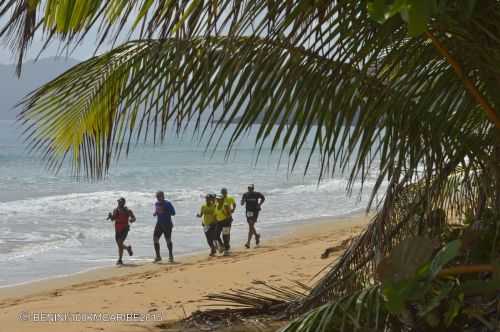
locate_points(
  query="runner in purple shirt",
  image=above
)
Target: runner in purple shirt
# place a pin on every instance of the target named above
(164, 210)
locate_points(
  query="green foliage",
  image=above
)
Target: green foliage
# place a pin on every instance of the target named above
(416, 13)
(405, 259)
(482, 237)
(481, 287)
(449, 252)
(368, 94)
(412, 295)
(415, 287)
(344, 91)
(361, 311)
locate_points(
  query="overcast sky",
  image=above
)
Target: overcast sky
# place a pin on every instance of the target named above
(84, 51)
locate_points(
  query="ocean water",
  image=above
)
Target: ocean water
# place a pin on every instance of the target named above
(55, 224)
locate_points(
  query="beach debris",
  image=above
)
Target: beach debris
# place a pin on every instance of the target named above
(343, 245)
(258, 306)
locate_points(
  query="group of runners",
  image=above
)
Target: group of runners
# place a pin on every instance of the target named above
(217, 218)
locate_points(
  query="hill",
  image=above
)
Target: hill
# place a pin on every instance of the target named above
(34, 74)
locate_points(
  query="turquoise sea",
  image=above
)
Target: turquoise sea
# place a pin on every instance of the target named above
(55, 224)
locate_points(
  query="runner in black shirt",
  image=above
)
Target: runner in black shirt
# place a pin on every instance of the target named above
(252, 201)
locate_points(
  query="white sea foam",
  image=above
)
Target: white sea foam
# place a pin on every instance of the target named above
(51, 225)
(80, 203)
(326, 186)
(34, 249)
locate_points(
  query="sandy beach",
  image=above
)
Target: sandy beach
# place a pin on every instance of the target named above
(154, 293)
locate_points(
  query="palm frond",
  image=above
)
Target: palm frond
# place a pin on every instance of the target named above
(323, 67)
(309, 73)
(139, 88)
(410, 209)
(362, 310)
(262, 299)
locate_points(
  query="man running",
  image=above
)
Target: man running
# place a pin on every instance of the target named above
(164, 210)
(231, 203)
(223, 218)
(253, 201)
(122, 216)
(209, 222)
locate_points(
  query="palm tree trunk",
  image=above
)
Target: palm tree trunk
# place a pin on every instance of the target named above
(469, 85)
(497, 170)
(485, 105)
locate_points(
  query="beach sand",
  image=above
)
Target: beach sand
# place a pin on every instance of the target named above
(170, 291)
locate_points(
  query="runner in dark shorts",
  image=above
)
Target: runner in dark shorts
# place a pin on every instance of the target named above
(209, 222)
(226, 230)
(122, 216)
(161, 229)
(164, 210)
(121, 235)
(223, 221)
(253, 201)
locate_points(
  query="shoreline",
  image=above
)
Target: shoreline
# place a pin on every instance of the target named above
(289, 227)
(176, 290)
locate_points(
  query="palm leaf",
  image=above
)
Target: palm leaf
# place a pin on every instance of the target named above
(361, 311)
(367, 94)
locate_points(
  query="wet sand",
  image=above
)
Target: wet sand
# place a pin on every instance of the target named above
(142, 297)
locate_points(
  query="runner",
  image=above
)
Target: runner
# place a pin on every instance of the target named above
(122, 216)
(220, 218)
(164, 210)
(231, 203)
(223, 217)
(209, 223)
(253, 201)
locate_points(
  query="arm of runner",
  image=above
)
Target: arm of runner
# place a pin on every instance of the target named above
(171, 209)
(262, 199)
(228, 210)
(233, 205)
(114, 215)
(131, 215)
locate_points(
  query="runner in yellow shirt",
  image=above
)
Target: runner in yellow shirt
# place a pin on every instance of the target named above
(230, 202)
(223, 215)
(209, 222)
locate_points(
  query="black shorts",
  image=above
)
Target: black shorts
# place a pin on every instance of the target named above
(120, 236)
(252, 215)
(225, 223)
(161, 229)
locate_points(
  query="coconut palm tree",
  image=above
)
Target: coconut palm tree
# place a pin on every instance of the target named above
(409, 85)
